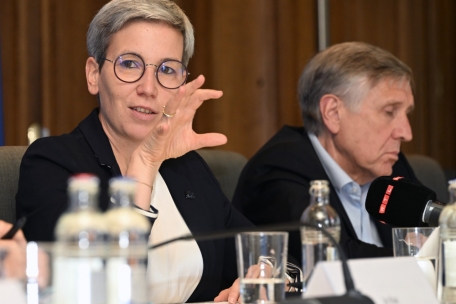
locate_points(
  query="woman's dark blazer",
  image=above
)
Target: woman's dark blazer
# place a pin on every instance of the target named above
(49, 162)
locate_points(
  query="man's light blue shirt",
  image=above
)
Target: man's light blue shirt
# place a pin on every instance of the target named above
(351, 194)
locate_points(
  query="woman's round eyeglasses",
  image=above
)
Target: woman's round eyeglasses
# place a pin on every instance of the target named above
(170, 74)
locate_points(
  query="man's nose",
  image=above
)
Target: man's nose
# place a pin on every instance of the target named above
(403, 130)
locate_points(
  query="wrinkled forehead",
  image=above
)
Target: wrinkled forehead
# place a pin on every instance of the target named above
(398, 82)
(359, 87)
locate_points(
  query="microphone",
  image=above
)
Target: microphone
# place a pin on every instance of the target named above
(399, 202)
(352, 296)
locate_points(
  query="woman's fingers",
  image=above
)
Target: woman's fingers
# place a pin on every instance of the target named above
(14, 260)
(4, 227)
(191, 96)
(233, 295)
(230, 294)
(197, 99)
(174, 136)
(14, 250)
(209, 140)
(261, 270)
(222, 296)
(251, 271)
(183, 92)
(18, 236)
(192, 86)
(174, 103)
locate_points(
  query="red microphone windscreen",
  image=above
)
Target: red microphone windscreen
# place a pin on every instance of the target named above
(397, 201)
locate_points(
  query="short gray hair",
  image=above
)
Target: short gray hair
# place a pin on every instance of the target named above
(348, 70)
(115, 14)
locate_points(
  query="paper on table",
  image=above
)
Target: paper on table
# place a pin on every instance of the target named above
(430, 248)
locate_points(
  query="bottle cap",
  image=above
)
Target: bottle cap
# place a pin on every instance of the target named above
(83, 181)
(319, 186)
(452, 185)
(122, 184)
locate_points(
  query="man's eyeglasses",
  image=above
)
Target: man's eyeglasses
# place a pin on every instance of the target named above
(170, 74)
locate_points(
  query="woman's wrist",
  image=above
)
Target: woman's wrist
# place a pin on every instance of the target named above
(150, 186)
(144, 172)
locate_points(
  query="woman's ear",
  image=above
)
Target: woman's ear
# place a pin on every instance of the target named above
(92, 75)
(330, 109)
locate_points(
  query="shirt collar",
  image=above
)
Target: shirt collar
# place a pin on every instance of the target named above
(336, 174)
(98, 141)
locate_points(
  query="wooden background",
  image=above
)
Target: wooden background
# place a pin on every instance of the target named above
(253, 50)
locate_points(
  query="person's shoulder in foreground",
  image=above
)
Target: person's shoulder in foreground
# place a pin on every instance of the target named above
(355, 99)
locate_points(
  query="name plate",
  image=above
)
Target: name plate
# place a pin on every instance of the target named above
(385, 280)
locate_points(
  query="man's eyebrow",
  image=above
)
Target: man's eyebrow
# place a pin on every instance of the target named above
(396, 103)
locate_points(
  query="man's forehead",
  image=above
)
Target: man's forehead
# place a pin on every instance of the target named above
(402, 82)
(387, 92)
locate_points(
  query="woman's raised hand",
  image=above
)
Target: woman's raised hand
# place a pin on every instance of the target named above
(171, 137)
(174, 136)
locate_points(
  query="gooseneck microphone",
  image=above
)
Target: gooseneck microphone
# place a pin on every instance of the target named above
(399, 202)
(352, 296)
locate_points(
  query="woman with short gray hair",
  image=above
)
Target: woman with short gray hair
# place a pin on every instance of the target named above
(138, 53)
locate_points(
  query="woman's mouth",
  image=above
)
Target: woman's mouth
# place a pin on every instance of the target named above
(142, 110)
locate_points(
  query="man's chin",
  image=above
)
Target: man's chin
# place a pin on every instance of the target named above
(386, 171)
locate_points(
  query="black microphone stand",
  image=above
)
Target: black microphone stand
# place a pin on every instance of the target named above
(352, 296)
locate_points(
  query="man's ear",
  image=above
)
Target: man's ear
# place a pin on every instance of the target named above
(92, 75)
(330, 109)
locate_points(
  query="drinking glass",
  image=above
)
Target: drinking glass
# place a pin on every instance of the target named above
(421, 243)
(262, 261)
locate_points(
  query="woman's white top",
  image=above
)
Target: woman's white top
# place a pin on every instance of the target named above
(173, 270)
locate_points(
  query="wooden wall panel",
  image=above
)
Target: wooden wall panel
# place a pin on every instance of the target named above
(296, 44)
(422, 34)
(21, 67)
(253, 50)
(43, 56)
(70, 101)
(442, 80)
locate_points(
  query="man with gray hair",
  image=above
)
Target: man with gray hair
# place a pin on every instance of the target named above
(354, 100)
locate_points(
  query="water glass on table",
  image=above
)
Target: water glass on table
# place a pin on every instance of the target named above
(421, 243)
(262, 261)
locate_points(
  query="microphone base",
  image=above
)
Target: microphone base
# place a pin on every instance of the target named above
(348, 298)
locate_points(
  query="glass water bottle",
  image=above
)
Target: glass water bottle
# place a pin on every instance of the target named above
(128, 233)
(79, 271)
(315, 245)
(446, 288)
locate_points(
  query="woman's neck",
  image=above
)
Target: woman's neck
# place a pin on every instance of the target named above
(122, 152)
(122, 147)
